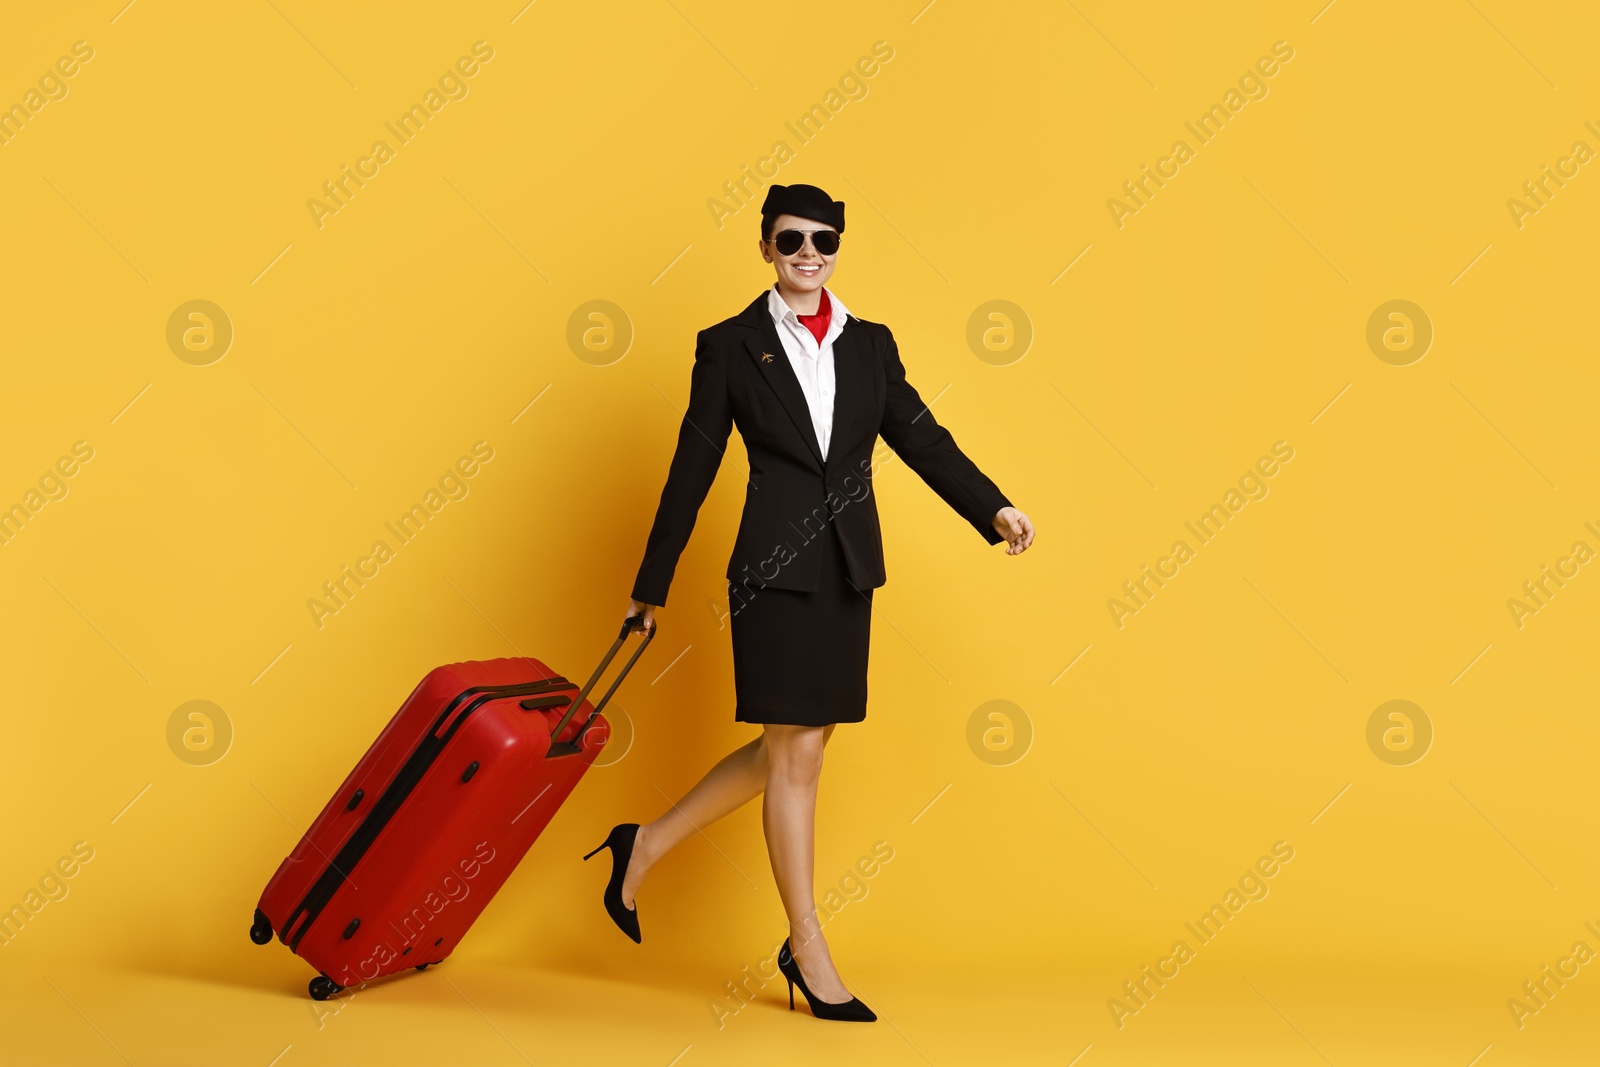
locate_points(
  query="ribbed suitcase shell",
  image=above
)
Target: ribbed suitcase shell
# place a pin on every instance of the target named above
(432, 820)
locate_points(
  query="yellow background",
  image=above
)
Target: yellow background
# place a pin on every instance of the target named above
(1229, 313)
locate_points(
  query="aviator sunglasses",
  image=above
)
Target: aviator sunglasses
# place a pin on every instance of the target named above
(788, 242)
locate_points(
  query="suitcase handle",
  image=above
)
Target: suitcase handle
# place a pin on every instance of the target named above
(629, 625)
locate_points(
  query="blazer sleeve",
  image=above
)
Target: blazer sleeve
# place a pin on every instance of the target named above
(702, 437)
(929, 449)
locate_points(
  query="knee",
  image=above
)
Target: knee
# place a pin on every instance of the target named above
(795, 752)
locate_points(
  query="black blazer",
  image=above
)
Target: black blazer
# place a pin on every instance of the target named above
(742, 376)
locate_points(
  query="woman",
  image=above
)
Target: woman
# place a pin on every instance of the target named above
(811, 387)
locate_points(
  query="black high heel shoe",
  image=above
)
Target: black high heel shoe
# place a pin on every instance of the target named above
(620, 842)
(851, 1010)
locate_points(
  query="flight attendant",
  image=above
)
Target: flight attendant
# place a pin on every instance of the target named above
(811, 387)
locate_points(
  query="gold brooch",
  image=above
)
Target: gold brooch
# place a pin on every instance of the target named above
(766, 357)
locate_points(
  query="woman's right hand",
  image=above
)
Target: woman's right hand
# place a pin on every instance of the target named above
(647, 610)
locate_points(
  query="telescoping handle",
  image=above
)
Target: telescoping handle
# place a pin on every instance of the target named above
(629, 625)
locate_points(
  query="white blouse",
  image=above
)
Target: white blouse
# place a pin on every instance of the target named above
(812, 362)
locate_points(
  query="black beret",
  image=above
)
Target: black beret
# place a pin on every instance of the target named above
(805, 201)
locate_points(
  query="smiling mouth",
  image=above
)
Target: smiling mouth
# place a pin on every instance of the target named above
(808, 269)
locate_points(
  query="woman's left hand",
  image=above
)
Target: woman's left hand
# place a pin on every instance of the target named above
(1016, 528)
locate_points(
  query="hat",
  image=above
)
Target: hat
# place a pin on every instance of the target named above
(805, 201)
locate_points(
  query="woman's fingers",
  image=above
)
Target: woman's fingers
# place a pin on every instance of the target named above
(1022, 527)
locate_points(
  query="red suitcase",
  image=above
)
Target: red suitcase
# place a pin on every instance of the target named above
(435, 817)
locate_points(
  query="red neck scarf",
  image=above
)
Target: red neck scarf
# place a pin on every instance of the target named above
(818, 323)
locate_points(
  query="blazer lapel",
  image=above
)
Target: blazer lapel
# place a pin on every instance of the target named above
(852, 388)
(772, 362)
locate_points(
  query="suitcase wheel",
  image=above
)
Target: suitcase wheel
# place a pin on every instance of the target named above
(261, 929)
(322, 987)
(422, 966)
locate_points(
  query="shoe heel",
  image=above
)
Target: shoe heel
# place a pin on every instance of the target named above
(791, 995)
(598, 847)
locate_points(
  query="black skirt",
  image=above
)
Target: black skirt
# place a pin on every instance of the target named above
(801, 658)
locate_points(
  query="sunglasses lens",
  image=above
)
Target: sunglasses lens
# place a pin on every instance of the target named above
(826, 242)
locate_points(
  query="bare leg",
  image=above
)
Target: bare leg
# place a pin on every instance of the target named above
(738, 778)
(788, 815)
